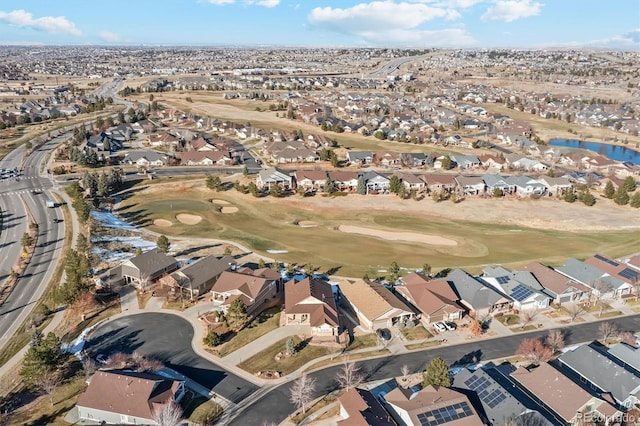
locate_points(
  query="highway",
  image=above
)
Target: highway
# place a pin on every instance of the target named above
(31, 189)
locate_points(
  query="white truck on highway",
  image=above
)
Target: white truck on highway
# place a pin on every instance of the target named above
(50, 203)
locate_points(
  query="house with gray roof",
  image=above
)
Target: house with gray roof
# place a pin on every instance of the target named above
(626, 355)
(493, 182)
(479, 298)
(602, 375)
(559, 287)
(360, 158)
(198, 277)
(497, 402)
(470, 185)
(375, 182)
(592, 277)
(466, 161)
(273, 176)
(149, 266)
(146, 158)
(521, 286)
(526, 186)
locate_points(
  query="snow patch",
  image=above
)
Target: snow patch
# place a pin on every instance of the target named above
(109, 220)
(277, 251)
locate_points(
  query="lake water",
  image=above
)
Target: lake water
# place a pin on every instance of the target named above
(613, 152)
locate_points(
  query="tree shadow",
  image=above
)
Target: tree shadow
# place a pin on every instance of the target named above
(471, 358)
(191, 250)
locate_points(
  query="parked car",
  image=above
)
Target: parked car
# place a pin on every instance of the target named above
(451, 326)
(383, 334)
(102, 359)
(440, 327)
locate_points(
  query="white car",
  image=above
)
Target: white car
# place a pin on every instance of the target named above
(440, 327)
(102, 359)
(451, 326)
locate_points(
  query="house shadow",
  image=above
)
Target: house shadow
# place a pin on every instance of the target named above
(113, 341)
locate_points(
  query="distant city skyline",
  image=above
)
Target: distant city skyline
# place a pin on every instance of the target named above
(326, 23)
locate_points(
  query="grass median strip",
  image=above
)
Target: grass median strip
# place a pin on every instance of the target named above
(265, 322)
(266, 359)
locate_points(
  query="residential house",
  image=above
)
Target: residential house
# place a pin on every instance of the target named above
(556, 186)
(601, 283)
(273, 176)
(526, 186)
(344, 180)
(387, 159)
(147, 267)
(432, 405)
(521, 286)
(497, 182)
(561, 289)
(311, 303)
(518, 162)
(257, 289)
(104, 142)
(470, 185)
(435, 299)
(127, 397)
(359, 407)
(566, 400)
(480, 299)
(374, 305)
(146, 158)
(413, 159)
(310, 180)
(197, 278)
(492, 162)
(359, 158)
(206, 158)
(375, 182)
(466, 161)
(495, 399)
(615, 269)
(438, 182)
(412, 182)
(165, 139)
(602, 375)
(626, 356)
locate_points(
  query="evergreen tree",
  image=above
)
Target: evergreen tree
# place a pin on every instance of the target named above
(362, 186)
(587, 198)
(276, 191)
(437, 373)
(629, 184)
(395, 184)
(635, 200)
(622, 196)
(570, 196)
(609, 190)
(290, 346)
(394, 271)
(214, 182)
(163, 243)
(328, 186)
(253, 189)
(447, 164)
(237, 314)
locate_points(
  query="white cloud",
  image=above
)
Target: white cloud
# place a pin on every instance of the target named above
(109, 36)
(510, 10)
(263, 3)
(456, 4)
(374, 16)
(53, 24)
(627, 41)
(390, 23)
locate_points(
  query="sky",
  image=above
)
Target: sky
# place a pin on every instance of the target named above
(325, 23)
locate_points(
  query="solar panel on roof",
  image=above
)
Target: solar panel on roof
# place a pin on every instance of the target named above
(604, 259)
(502, 280)
(445, 414)
(629, 274)
(521, 292)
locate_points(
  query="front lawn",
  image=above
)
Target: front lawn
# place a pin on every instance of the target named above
(202, 411)
(348, 358)
(265, 322)
(509, 319)
(415, 333)
(265, 360)
(609, 314)
(423, 345)
(364, 341)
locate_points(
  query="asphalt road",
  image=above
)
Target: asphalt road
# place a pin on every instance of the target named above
(168, 338)
(14, 195)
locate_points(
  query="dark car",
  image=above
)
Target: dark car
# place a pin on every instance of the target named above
(383, 334)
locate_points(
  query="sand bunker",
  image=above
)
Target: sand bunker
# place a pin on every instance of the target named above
(162, 223)
(229, 209)
(411, 237)
(188, 219)
(307, 224)
(220, 202)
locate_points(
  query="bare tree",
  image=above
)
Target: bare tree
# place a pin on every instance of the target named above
(149, 365)
(145, 282)
(118, 360)
(302, 392)
(85, 301)
(49, 383)
(600, 289)
(636, 287)
(334, 350)
(527, 317)
(555, 340)
(627, 337)
(535, 351)
(405, 370)
(349, 377)
(575, 311)
(89, 367)
(169, 414)
(608, 331)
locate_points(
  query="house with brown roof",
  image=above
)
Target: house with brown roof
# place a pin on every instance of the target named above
(344, 180)
(437, 182)
(257, 289)
(206, 158)
(198, 277)
(615, 269)
(127, 397)
(374, 305)
(432, 405)
(310, 180)
(566, 400)
(435, 299)
(359, 407)
(561, 288)
(411, 182)
(311, 303)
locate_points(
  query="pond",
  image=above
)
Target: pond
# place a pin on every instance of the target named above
(612, 152)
